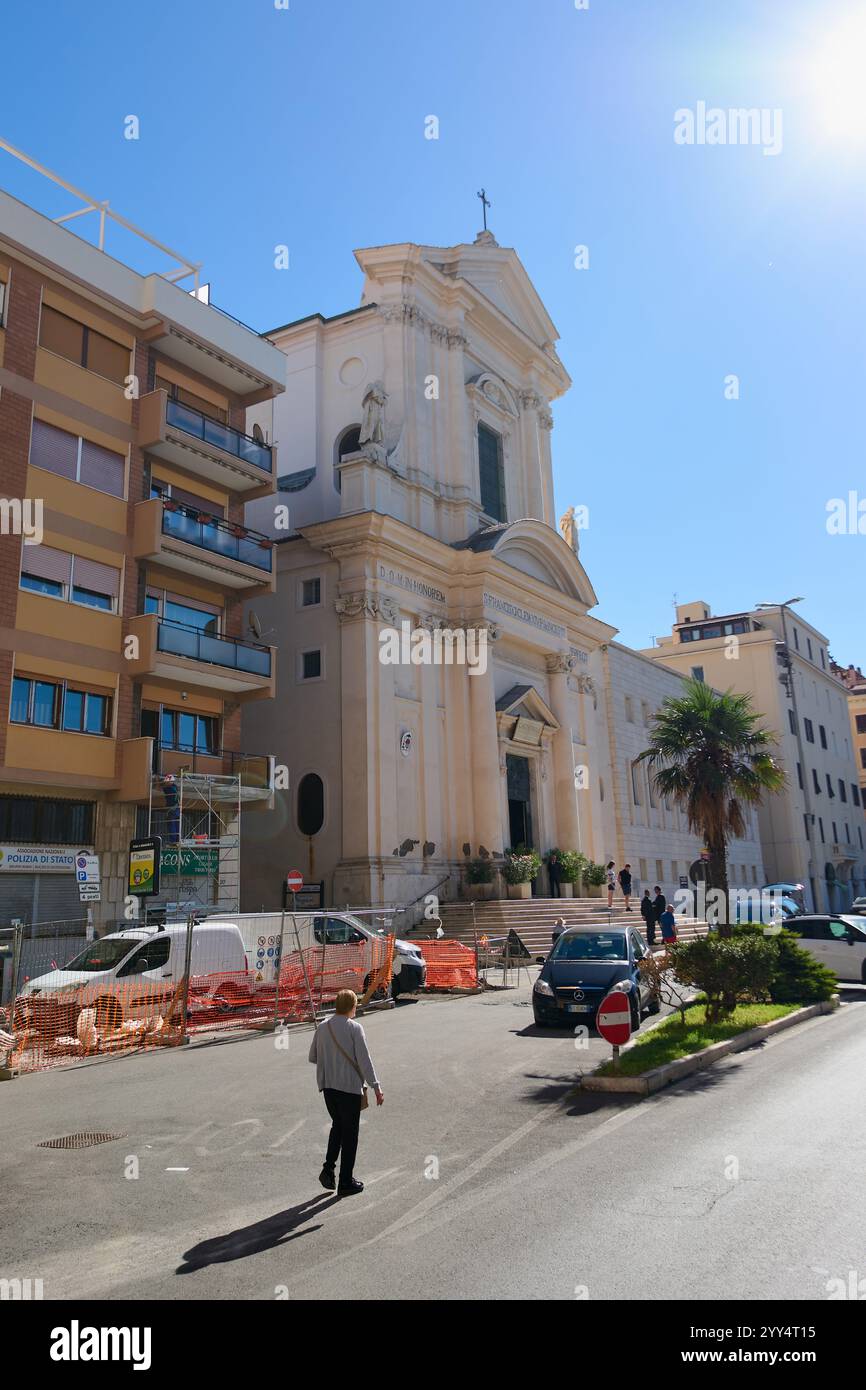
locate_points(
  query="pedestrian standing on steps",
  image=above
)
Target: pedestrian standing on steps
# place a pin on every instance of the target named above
(668, 923)
(659, 904)
(343, 1066)
(648, 913)
(625, 885)
(554, 870)
(611, 884)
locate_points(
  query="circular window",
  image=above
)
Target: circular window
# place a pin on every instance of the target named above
(311, 804)
(352, 371)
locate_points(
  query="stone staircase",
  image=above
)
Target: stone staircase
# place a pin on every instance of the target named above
(533, 918)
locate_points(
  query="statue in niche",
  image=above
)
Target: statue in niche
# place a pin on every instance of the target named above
(372, 436)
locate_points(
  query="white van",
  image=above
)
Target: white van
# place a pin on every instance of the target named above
(133, 973)
(304, 930)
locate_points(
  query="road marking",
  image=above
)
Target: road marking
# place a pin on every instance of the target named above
(177, 1170)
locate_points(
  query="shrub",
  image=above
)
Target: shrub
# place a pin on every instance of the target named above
(521, 865)
(729, 970)
(571, 863)
(595, 874)
(479, 871)
(798, 978)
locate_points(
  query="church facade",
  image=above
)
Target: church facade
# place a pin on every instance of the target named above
(444, 690)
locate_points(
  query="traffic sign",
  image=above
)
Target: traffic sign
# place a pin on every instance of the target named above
(294, 880)
(613, 1020)
(87, 877)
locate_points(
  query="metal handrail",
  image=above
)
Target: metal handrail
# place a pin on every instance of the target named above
(200, 636)
(205, 520)
(222, 436)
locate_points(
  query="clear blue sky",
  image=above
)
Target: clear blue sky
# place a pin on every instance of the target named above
(260, 126)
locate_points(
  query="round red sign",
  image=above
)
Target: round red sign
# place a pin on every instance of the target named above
(613, 1020)
(295, 880)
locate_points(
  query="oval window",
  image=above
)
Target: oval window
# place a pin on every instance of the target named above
(311, 804)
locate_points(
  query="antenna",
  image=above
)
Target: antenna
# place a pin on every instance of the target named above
(254, 623)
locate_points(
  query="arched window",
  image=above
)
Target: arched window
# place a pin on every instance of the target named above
(311, 804)
(349, 442)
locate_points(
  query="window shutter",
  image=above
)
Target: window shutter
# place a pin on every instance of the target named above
(102, 468)
(53, 449)
(102, 579)
(46, 563)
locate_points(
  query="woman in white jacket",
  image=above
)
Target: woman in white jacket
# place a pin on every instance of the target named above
(343, 1066)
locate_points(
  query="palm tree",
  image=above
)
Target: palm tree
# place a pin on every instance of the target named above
(708, 754)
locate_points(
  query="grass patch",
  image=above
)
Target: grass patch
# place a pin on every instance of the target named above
(669, 1040)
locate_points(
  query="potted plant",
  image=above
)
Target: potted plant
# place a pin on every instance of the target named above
(479, 878)
(571, 868)
(595, 877)
(519, 871)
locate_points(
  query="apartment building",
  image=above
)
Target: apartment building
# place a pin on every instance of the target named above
(854, 682)
(813, 832)
(124, 662)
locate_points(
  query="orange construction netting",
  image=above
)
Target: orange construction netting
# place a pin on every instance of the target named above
(52, 1028)
(450, 965)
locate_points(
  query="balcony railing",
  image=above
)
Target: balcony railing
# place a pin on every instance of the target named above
(254, 769)
(219, 537)
(234, 652)
(231, 441)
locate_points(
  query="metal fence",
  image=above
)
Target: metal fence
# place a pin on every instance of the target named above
(184, 981)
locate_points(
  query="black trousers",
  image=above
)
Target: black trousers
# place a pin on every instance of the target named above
(554, 888)
(344, 1109)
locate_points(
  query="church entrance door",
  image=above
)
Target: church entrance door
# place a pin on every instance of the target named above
(519, 801)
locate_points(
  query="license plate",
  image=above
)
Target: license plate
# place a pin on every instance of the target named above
(578, 1008)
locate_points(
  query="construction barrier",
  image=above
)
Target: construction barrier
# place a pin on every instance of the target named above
(56, 1026)
(450, 964)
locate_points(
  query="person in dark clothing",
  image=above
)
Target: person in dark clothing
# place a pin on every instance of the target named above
(554, 870)
(625, 885)
(659, 903)
(647, 912)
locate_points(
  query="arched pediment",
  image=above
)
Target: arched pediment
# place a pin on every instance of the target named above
(540, 552)
(493, 391)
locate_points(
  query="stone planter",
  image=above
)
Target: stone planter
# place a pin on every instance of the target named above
(477, 891)
(594, 890)
(519, 890)
(567, 890)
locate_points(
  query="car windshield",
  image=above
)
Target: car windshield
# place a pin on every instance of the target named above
(855, 922)
(104, 954)
(597, 945)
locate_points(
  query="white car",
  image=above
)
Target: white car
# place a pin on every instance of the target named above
(837, 942)
(859, 906)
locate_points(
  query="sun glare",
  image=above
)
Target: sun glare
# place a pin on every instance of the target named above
(838, 79)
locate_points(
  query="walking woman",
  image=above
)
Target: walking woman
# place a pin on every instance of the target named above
(343, 1066)
(611, 884)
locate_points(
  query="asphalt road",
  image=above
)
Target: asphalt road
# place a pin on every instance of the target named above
(487, 1175)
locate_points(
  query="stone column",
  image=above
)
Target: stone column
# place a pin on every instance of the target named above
(486, 791)
(568, 836)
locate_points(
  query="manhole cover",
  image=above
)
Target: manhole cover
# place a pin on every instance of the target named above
(85, 1140)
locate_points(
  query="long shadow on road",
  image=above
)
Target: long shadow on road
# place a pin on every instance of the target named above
(251, 1240)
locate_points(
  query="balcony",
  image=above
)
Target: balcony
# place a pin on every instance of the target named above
(204, 447)
(256, 771)
(188, 656)
(182, 538)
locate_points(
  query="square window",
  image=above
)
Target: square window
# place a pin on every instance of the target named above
(20, 700)
(311, 592)
(311, 665)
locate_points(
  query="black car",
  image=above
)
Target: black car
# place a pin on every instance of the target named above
(584, 965)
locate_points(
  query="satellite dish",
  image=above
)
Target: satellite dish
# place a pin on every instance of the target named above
(255, 623)
(258, 434)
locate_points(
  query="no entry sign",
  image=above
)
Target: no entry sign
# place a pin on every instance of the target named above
(294, 880)
(614, 1018)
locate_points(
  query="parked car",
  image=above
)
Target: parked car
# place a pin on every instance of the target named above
(133, 973)
(837, 942)
(787, 893)
(858, 907)
(586, 964)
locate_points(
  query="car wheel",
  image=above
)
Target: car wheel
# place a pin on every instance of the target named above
(635, 1017)
(395, 987)
(863, 973)
(539, 1022)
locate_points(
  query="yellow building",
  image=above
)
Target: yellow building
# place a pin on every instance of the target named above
(124, 564)
(813, 832)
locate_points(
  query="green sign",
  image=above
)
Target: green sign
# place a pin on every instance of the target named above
(192, 861)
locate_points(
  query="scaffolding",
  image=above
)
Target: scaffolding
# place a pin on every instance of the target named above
(198, 818)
